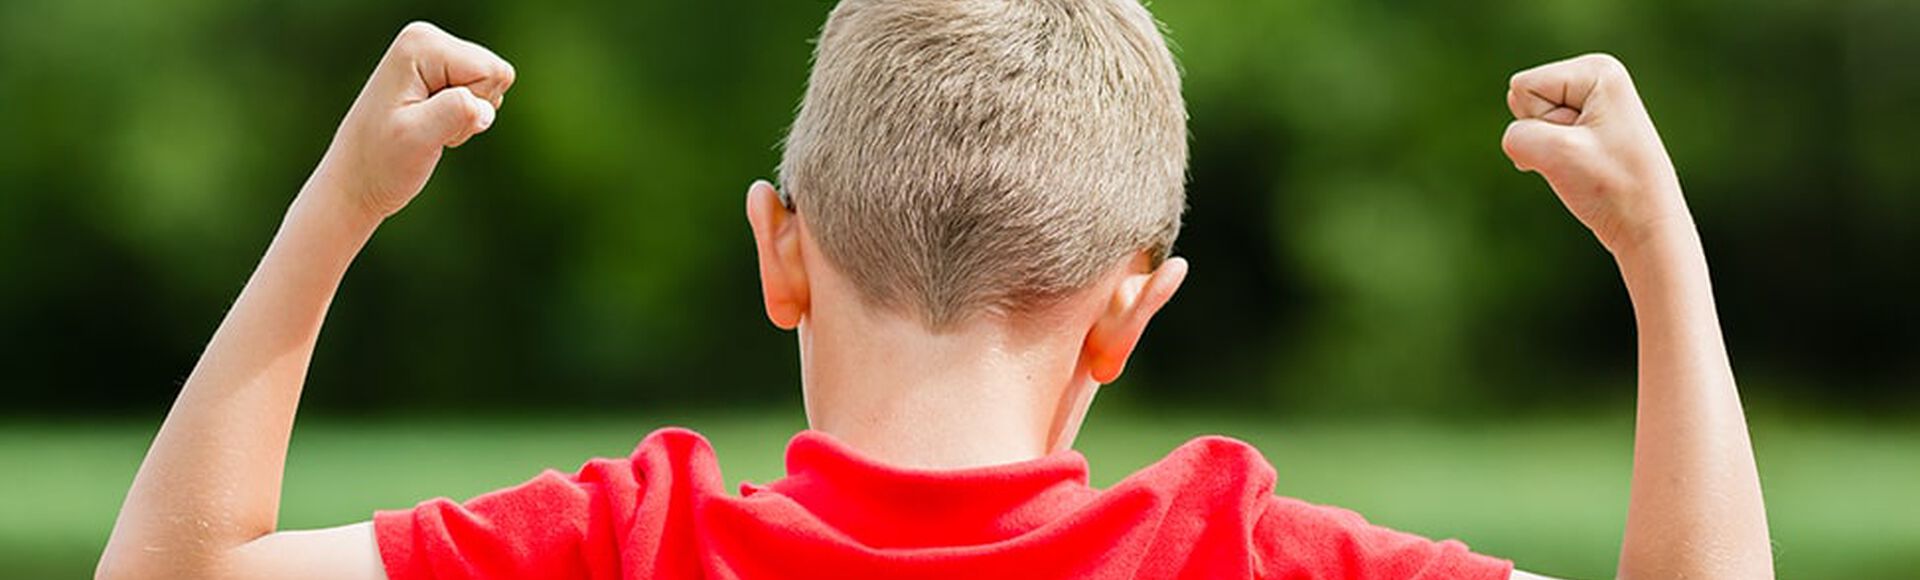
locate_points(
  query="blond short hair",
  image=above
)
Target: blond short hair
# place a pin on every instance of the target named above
(959, 156)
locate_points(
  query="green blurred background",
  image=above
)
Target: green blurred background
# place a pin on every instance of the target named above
(1405, 324)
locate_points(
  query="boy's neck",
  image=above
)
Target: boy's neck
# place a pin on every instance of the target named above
(975, 396)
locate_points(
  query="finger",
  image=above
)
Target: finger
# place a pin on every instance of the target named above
(1561, 115)
(1545, 146)
(1570, 84)
(440, 60)
(1529, 107)
(480, 70)
(449, 117)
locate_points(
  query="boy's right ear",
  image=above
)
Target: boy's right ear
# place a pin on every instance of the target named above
(783, 272)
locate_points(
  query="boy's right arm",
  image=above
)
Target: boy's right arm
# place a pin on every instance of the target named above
(205, 500)
(1695, 509)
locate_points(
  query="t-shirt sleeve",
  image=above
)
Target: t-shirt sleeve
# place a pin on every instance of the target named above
(1296, 539)
(539, 529)
(613, 515)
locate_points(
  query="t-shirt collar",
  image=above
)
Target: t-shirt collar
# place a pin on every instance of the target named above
(819, 454)
(845, 487)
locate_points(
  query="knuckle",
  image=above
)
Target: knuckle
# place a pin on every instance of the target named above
(418, 28)
(414, 35)
(1606, 64)
(468, 113)
(464, 108)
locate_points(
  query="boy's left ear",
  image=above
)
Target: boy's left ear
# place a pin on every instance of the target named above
(783, 273)
(1139, 295)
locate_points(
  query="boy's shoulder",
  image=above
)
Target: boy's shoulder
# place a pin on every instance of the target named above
(1215, 465)
(664, 509)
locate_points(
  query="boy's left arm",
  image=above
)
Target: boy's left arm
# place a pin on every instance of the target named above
(205, 501)
(1696, 509)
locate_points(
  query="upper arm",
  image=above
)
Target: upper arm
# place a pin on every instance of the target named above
(347, 552)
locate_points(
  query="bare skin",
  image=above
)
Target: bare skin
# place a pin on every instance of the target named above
(1696, 509)
(205, 499)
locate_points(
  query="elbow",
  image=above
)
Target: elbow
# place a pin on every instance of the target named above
(111, 567)
(170, 554)
(121, 566)
(115, 566)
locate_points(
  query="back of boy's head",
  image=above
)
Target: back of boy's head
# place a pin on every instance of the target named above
(955, 157)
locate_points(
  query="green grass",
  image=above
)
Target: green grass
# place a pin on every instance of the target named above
(1550, 494)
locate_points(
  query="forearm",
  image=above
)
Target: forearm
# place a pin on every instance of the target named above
(1696, 508)
(211, 480)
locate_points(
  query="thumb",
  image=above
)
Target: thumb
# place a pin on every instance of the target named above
(449, 117)
(1545, 146)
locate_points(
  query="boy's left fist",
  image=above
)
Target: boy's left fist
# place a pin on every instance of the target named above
(1581, 125)
(431, 90)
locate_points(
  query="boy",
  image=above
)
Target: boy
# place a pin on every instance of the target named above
(980, 198)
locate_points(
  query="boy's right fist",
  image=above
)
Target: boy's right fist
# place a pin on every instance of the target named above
(430, 91)
(1579, 123)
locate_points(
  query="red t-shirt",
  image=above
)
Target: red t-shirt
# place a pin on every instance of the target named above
(1205, 511)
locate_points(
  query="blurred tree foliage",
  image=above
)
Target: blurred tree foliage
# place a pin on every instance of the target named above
(1358, 240)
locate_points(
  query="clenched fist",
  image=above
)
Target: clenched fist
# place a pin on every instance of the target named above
(1580, 124)
(430, 91)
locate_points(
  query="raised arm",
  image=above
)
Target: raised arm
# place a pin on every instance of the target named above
(1696, 510)
(206, 498)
